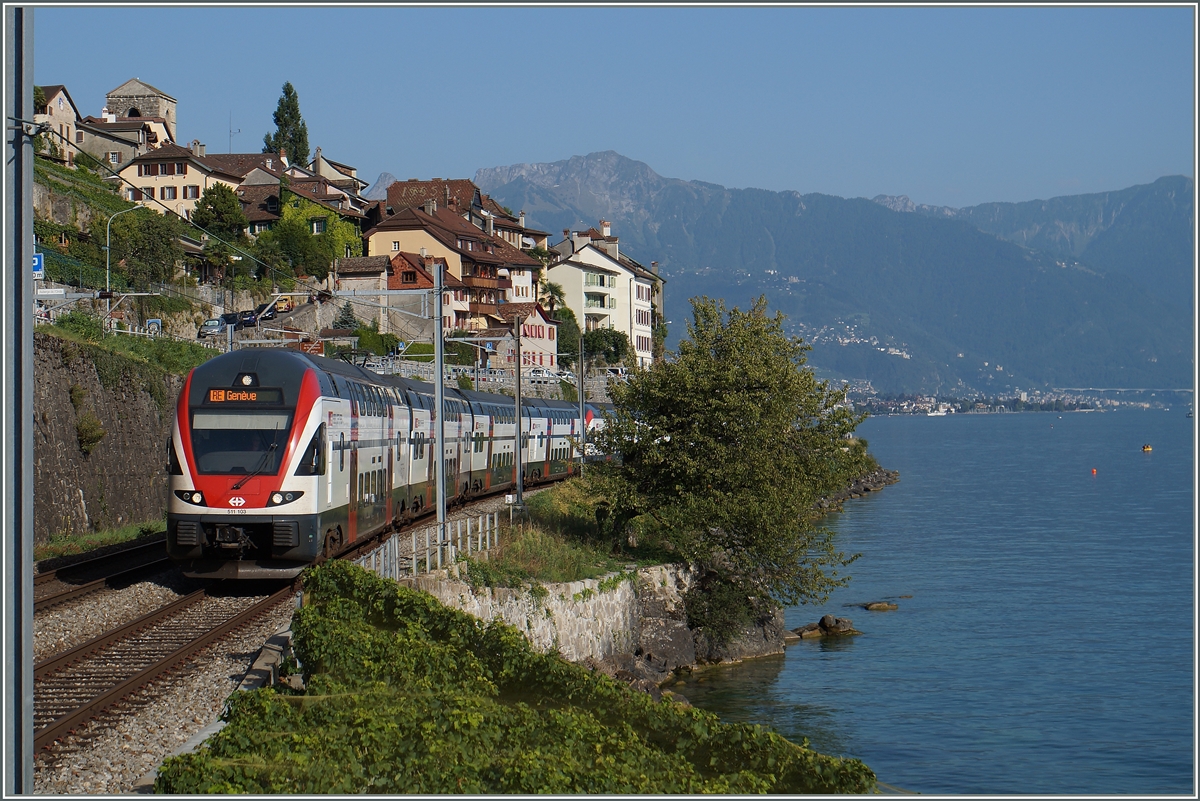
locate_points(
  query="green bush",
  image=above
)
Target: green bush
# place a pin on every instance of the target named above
(404, 695)
(89, 431)
(82, 324)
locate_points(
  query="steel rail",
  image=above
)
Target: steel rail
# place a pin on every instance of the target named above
(98, 563)
(68, 722)
(71, 593)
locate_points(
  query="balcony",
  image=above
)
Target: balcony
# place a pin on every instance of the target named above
(482, 308)
(478, 282)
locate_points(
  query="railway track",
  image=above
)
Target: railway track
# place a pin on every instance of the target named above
(75, 686)
(54, 587)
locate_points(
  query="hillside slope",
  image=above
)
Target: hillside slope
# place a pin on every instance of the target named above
(858, 278)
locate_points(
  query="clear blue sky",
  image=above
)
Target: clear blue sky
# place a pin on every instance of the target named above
(951, 106)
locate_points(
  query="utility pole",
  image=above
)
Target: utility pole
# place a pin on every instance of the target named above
(16, 416)
(439, 402)
(520, 503)
(582, 419)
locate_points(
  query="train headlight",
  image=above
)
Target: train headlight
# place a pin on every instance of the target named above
(190, 496)
(280, 498)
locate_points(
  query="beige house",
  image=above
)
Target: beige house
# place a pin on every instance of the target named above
(486, 265)
(607, 289)
(62, 116)
(172, 178)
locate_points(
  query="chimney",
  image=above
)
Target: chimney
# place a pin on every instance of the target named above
(654, 267)
(491, 225)
(283, 156)
(606, 227)
(108, 115)
(522, 218)
(424, 253)
(195, 147)
(447, 194)
(430, 207)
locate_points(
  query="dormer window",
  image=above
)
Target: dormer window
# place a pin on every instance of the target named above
(272, 204)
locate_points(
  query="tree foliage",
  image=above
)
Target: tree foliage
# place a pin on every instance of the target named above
(220, 212)
(724, 452)
(568, 336)
(346, 319)
(291, 133)
(145, 245)
(610, 343)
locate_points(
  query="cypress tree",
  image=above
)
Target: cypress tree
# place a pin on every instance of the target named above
(291, 134)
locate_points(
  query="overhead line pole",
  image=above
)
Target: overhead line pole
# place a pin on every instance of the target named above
(439, 401)
(16, 413)
(520, 502)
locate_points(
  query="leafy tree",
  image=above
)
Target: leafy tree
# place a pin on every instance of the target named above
(220, 212)
(568, 336)
(723, 455)
(145, 245)
(291, 134)
(609, 343)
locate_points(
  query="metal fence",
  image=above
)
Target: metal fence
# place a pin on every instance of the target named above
(425, 552)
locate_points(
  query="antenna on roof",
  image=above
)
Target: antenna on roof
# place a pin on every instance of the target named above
(232, 132)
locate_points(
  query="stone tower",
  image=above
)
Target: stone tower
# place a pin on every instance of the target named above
(135, 98)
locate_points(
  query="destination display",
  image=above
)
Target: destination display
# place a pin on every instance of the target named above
(256, 395)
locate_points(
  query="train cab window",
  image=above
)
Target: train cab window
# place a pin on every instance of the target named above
(312, 463)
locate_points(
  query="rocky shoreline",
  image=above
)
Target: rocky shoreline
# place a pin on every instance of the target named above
(668, 647)
(874, 481)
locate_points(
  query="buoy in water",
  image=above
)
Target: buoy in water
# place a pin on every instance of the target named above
(1093, 471)
(1146, 449)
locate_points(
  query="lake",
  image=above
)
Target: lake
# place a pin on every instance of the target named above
(1047, 646)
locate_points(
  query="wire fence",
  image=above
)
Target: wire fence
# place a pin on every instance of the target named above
(425, 552)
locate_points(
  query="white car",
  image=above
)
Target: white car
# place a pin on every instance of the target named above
(539, 372)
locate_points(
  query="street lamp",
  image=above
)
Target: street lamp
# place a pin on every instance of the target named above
(108, 257)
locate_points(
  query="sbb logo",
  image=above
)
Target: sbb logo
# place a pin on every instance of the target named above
(236, 501)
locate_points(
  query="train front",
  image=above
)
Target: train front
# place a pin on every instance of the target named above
(247, 451)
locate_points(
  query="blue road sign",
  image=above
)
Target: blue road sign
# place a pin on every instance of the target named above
(39, 267)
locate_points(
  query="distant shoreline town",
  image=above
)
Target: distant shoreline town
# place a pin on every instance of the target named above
(861, 399)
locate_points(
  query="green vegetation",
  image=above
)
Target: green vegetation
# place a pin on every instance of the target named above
(724, 453)
(404, 695)
(70, 544)
(88, 431)
(609, 343)
(291, 133)
(532, 554)
(121, 362)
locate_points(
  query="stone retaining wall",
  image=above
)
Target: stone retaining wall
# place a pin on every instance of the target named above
(577, 619)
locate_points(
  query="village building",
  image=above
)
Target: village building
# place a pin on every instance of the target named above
(607, 289)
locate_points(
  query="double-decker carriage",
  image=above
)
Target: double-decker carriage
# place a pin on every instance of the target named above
(279, 458)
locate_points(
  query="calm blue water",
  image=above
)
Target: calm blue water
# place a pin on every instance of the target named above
(1048, 643)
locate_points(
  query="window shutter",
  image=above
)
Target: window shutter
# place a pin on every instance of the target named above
(140, 166)
(118, 156)
(182, 168)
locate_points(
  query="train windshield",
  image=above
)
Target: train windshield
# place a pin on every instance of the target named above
(239, 443)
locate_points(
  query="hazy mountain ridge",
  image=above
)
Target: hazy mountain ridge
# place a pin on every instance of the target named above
(928, 285)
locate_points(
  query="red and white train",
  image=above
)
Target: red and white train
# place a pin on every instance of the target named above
(278, 458)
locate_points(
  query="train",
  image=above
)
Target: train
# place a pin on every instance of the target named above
(279, 459)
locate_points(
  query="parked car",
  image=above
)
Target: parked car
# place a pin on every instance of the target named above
(233, 320)
(265, 311)
(249, 318)
(215, 327)
(284, 305)
(566, 375)
(538, 372)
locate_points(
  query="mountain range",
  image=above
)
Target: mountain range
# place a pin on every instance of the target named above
(1078, 291)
